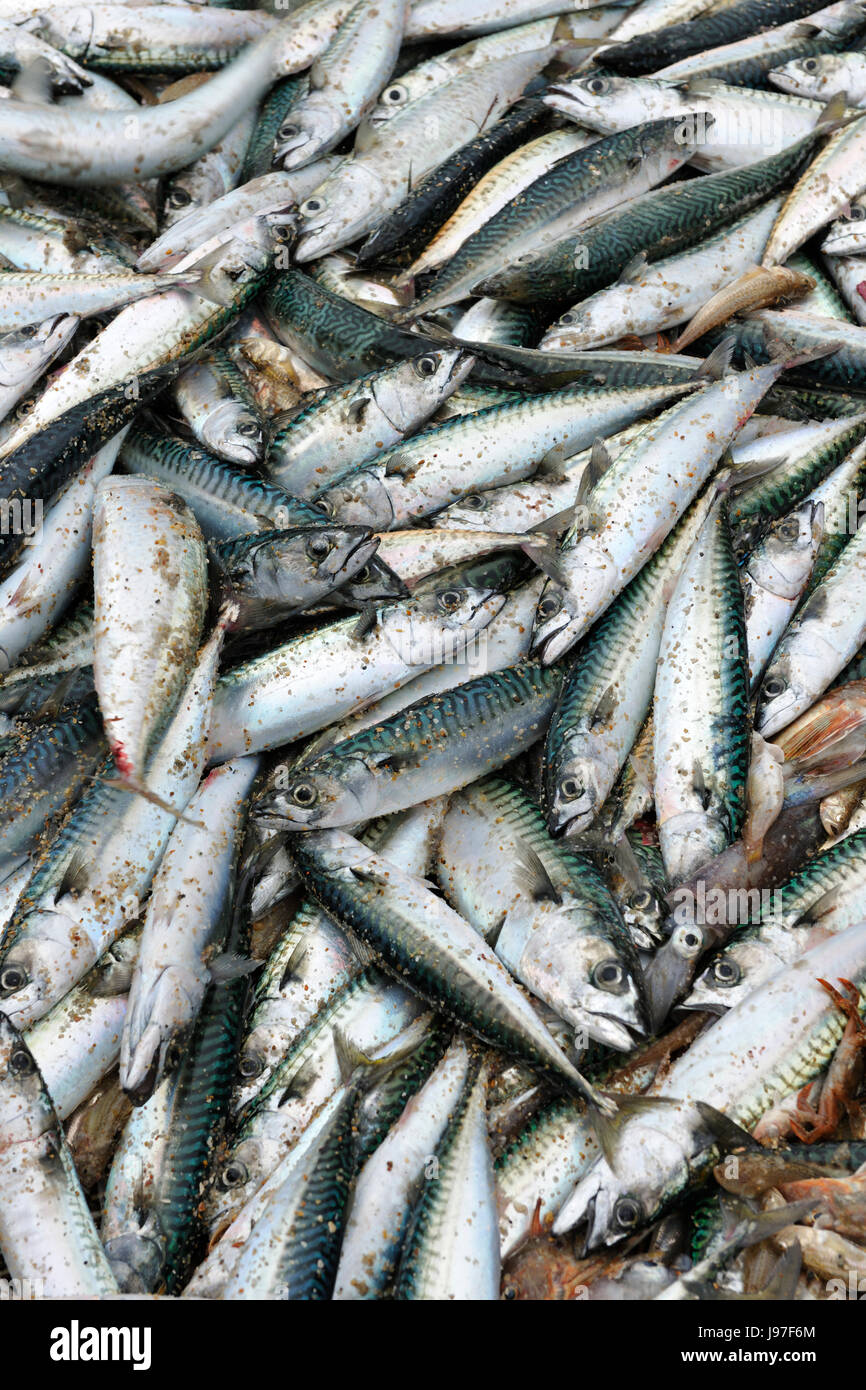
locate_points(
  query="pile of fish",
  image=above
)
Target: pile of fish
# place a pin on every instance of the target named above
(433, 649)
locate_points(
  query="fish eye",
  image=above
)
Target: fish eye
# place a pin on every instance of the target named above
(318, 547)
(857, 214)
(570, 788)
(179, 198)
(774, 686)
(628, 1213)
(288, 131)
(597, 85)
(451, 599)
(363, 576)
(641, 900)
(311, 205)
(549, 605)
(13, 978)
(21, 1063)
(611, 976)
(789, 529)
(234, 1174)
(726, 972)
(30, 331)
(304, 794)
(567, 318)
(248, 427)
(687, 939)
(250, 1065)
(810, 65)
(475, 502)
(392, 96)
(426, 366)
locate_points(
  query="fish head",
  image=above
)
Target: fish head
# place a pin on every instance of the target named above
(692, 837)
(179, 202)
(305, 132)
(649, 1150)
(374, 582)
(243, 257)
(435, 626)
(471, 513)
(607, 102)
(26, 351)
(235, 1181)
(232, 432)
(25, 1108)
(326, 792)
(784, 559)
(734, 973)
(360, 498)
(136, 1261)
(577, 595)
(280, 565)
(568, 329)
(784, 693)
(41, 964)
(577, 789)
(847, 235)
(338, 211)
(671, 970)
(420, 384)
(818, 77)
(612, 999)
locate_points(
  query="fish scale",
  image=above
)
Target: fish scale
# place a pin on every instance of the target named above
(660, 223)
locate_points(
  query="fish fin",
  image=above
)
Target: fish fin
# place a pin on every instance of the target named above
(55, 698)
(15, 190)
(835, 114)
(368, 875)
(627, 862)
(699, 784)
(399, 466)
(74, 878)
(495, 932)
(606, 707)
(114, 981)
(549, 563)
(713, 368)
(608, 1127)
(782, 1284)
(350, 1058)
(305, 1077)
(789, 356)
(532, 877)
(641, 772)
(33, 83)
(749, 362)
(726, 1133)
(358, 409)
(366, 623)
(228, 965)
(135, 788)
(200, 279)
(636, 267)
(750, 1227)
(552, 525)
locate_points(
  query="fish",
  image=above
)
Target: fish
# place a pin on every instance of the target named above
(432, 651)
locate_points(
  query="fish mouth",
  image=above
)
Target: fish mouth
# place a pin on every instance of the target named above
(368, 539)
(563, 94)
(613, 1032)
(550, 646)
(568, 825)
